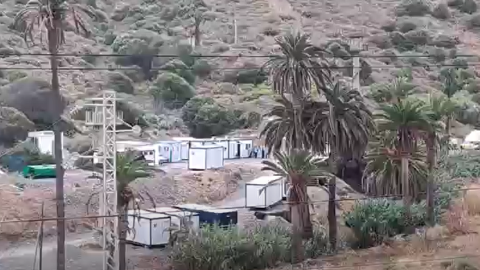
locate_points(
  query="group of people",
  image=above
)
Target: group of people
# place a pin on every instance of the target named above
(259, 152)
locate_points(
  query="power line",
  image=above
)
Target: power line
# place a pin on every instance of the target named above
(228, 208)
(240, 55)
(333, 67)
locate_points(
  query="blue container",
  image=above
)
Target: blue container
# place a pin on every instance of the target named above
(14, 163)
(211, 215)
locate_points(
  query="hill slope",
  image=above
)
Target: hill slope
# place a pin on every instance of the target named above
(399, 31)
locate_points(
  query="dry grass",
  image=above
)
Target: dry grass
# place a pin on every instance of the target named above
(22, 206)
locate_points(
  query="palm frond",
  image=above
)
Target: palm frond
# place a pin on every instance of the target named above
(52, 17)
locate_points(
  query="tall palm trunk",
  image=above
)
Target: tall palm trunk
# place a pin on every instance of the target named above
(448, 122)
(404, 179)
(431, 153)
(296, 219)
(57, 112)
(122, 237)
(332, 184)
(332, 190)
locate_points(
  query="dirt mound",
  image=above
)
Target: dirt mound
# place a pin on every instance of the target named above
(216, 185)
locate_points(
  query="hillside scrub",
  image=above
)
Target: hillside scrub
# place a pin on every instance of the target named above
(231, 249)
(171, 90)
(206, 118)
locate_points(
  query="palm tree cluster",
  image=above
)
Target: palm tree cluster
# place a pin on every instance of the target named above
(318, 114)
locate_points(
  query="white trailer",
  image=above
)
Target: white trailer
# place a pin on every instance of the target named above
(44, 141)
(150, 153)
(246, 146)
(151, 229)
(172, 150)
(176, 215)
(263, 192)
(205, 157)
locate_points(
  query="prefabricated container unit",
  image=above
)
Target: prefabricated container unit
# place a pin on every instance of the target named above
(185, 145)
(176, 216)
(245, 148)
(44, 141)
(151, 229)
(150, 154)
(225, 144)
(172, 150)
(123, 146)
(201, 142)
(263, 192)
(211, 215)
(205, 157)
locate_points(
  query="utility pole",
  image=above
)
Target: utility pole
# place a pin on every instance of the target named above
(104, 114)
(235, 29)
(356, 46)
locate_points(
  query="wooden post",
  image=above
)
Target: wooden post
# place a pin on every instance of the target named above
(39, 242)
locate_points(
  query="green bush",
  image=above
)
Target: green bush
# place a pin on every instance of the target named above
(120, 82)
(206, 118)
(412, 8)
(172, 90)
(181, 69)
(441, 11)
(140, 46)
(230, 249)
(374, 221)
(468, 6)
(464, 165)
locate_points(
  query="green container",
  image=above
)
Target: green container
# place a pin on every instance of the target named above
(35, 171)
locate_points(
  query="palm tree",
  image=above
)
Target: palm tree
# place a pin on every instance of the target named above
(129, 168)
(299, 168)
(294, 72)
(401, 124)
(438, 109)
(383, 173)
(280, 124)
(393, 92)
(452, 83)
(341, 127)
(51, 17)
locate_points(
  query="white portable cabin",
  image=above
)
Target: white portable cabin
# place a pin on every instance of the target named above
(176, 215)
(201, 142)
(185, 145)
(151, 229)
(246, 146)
(150, 154)
(205, 157)
(44, 141)
(264, 192)
(172, 150)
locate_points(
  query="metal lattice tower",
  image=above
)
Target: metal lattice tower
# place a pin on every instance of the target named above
(104, 115)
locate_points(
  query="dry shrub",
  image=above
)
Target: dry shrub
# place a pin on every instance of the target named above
(456, 219)
(472, 199)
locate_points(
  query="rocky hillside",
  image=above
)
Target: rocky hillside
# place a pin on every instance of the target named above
(155, 88)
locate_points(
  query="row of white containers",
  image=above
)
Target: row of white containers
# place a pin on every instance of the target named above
(201, 154)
